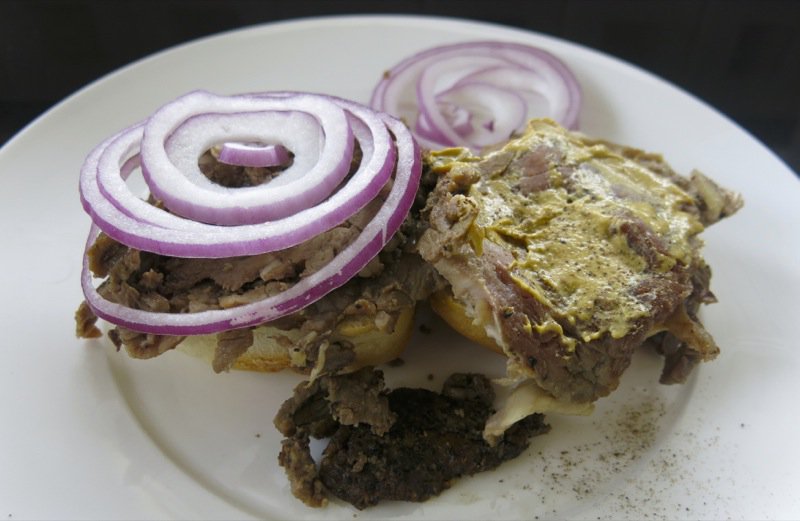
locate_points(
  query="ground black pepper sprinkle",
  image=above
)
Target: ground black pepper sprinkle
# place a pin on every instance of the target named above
(397, 362)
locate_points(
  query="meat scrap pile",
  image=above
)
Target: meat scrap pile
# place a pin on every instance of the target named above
(405, 444)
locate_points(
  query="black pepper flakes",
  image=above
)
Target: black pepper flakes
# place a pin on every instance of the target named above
(397, 362)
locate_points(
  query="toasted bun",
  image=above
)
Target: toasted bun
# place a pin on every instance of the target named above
(521, 398)
(455, 314)
(269, 354)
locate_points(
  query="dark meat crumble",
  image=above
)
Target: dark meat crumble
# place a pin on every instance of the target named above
(433, 438)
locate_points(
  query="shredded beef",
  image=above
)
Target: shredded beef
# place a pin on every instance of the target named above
(358, 398)
(168, 286)
(85, 322)
(230, 346)
(142, 345)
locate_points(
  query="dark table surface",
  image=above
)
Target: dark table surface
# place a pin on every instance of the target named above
(740, 56)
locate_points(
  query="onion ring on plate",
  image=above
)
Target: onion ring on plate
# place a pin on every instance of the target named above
(467, 94)
(391, 158)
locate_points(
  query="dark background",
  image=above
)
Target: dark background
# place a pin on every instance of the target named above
(740, 56)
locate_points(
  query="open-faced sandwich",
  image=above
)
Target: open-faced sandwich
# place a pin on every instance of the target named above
(567, 254)
(295, 230)
(246, 270)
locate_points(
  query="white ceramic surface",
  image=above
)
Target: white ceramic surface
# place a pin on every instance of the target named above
(89, 434)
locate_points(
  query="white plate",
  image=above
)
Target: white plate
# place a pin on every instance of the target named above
(88, 433)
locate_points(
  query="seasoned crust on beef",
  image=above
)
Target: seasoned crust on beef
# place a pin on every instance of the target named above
(570, 254)
(295, 457)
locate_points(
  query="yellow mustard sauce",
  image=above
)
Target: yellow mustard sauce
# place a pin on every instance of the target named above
(568, 250)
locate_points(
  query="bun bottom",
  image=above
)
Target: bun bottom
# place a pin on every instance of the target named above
(271, 352)
(454, 313)
(520, 397)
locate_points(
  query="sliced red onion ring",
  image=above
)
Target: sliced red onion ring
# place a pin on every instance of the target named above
(458, 117)
(255, 155)
(406, 165)
(130, 220)
(174, 177)
(303, 134)
(521, 82)
(499, 111)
